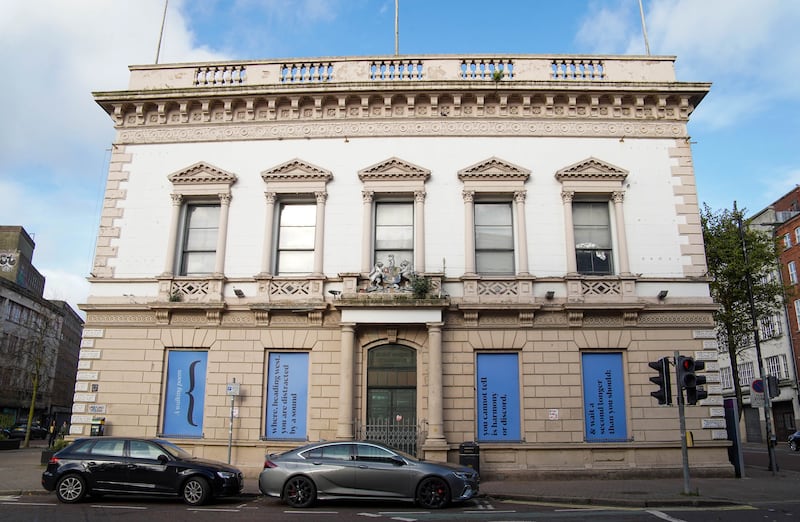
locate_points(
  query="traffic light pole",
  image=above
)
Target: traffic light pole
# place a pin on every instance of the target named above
(687, 490)
(773, 464)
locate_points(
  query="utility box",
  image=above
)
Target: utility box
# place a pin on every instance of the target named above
(469, 454)
(98, 427)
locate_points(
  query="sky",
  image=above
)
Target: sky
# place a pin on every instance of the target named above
(55, 140)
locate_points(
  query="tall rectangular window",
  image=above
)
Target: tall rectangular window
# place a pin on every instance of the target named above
(726, 377)
(296, 231)
(777, 366)
(792, 272)
(797, 236)
(394, 232)
(592, 228)
(797, 313)
(494, 239)
(787, 241)
(746, 373)
(199, 252)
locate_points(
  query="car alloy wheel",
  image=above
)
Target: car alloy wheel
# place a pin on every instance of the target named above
(433, 493)
(196, 491)
(299, 492)
(70, 488)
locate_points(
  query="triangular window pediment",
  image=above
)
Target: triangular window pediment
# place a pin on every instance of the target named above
(592, 169)
(202, 174)
(494, 169)
(394, 169)
(297, 170)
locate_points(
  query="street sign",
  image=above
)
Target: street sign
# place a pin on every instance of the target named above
(757, 400)
(232, 389)
(757, 386)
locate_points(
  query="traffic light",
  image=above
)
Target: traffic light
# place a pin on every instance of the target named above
(772, 386)
(664, 391)
(688, 380)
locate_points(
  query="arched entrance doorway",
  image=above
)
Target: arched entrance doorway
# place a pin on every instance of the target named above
(391, 415)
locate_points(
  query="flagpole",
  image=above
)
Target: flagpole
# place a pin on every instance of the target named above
(644, 29)
(396, 27)
(161, 33)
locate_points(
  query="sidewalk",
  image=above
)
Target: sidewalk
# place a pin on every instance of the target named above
(21, 472)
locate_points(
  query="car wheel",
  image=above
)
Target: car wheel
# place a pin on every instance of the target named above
(793, 445)
(196, 491)
(433, 493)
(299, 492)
(71, 488)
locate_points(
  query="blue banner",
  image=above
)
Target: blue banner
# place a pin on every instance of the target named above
(604, 397)
(287, 396)
(186, 391)
(498, 397)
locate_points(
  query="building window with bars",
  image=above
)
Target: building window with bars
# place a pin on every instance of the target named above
(777, 366)
(726, 377)
(746, 373)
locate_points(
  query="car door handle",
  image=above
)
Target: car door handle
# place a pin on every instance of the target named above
(362, 466)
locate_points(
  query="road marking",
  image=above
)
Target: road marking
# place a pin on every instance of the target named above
(6, 498)
(222, 510)
(664, 516)
(109, 506)
(403, 519)
(306, 512)
(372, 515)
(28, 503)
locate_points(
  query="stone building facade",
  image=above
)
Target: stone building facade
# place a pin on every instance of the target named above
(424, 250)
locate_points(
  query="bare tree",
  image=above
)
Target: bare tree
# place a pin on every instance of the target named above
(37, 355)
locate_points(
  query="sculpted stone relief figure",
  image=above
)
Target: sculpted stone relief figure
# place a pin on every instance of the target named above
(390, 276)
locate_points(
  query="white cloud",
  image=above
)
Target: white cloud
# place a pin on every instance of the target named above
(65, 286)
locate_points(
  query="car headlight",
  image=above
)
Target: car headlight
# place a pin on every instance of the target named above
(226, 474)
(463, 475)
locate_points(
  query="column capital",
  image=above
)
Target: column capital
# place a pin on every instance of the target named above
(567, 196)
(321, 197)
(271, 197)
(177, 199)
(468, 195)
(367, 195)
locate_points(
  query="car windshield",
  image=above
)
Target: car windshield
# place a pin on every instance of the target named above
(174, 450)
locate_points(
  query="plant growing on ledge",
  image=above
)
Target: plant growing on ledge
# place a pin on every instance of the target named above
(421, 287)
(175, 297)
(497, 75)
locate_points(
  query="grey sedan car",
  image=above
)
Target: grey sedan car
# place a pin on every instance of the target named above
(363, 470)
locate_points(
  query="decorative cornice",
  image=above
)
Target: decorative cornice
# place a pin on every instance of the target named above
(494, 169)
(394, 168)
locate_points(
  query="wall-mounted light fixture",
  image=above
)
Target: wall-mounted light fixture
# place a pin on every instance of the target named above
(335, 293)
(238, 292)
(549, 295)
(662, 295)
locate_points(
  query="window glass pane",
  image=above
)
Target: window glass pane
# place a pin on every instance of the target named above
(200, 240)
(296, 233)
(394, 232)
(494, 237)
(487, 214)
(394, 214)
(198, 263)
(297, 237)
(393, 238)
(295, 262)
(591, 225)
(203, 216)
(494, 262)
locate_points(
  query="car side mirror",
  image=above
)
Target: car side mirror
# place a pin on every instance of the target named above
(398, 461)
(163, 459)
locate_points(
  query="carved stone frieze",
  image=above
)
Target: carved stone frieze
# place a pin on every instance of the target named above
(437, 128)
(129, 318)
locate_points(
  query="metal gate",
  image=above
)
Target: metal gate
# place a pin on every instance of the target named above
(401, 435)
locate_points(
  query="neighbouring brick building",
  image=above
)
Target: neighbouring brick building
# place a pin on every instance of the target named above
(425, 250)
(36, 336)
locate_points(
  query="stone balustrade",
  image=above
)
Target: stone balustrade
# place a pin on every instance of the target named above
(433, 68)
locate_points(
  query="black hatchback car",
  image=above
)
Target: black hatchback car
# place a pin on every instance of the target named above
(115, 465)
